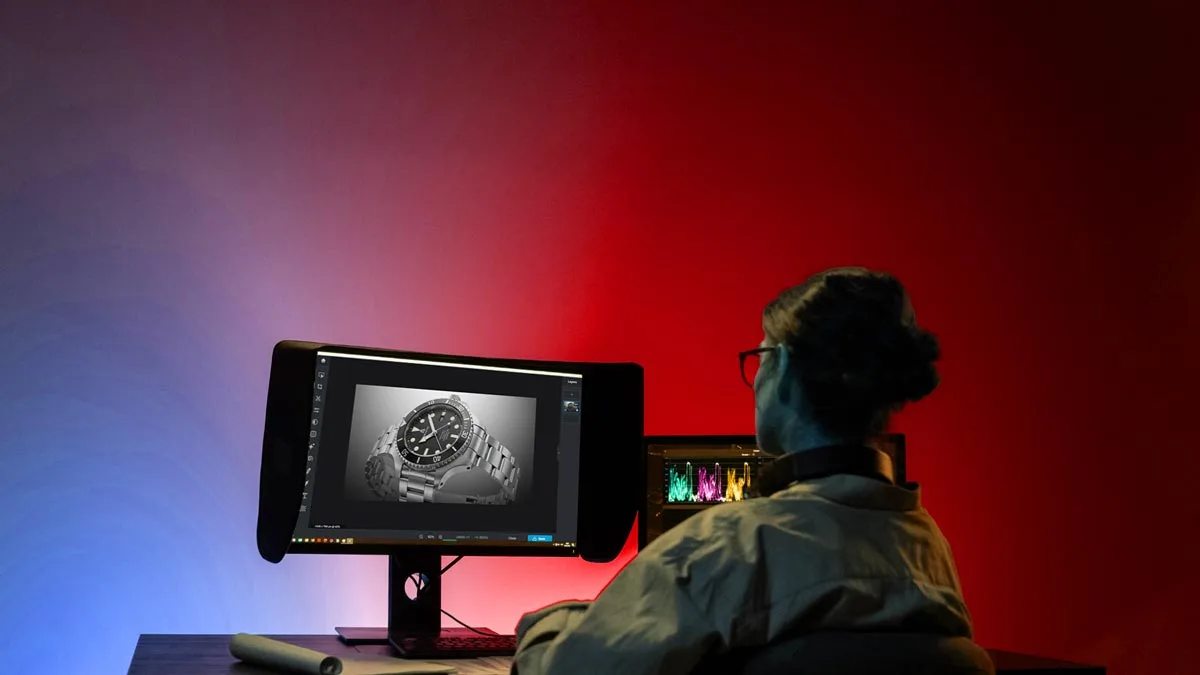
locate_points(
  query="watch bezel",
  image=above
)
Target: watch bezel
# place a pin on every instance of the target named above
(468, 424)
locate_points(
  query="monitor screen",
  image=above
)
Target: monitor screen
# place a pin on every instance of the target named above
(413, 451)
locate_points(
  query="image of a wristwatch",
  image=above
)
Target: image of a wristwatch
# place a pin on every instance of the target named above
(438, 440)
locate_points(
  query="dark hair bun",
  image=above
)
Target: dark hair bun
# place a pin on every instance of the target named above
(859, 352)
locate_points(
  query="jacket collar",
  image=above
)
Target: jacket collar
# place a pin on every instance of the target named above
(857, 492)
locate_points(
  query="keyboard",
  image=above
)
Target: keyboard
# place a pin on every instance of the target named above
(457, 647)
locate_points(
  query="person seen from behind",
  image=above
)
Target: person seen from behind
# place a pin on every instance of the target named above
(841, 353)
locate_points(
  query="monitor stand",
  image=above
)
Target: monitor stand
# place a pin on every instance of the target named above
(414, 627)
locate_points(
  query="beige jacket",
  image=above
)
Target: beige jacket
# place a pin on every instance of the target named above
(843, 552)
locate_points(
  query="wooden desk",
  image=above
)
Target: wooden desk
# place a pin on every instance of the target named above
(209, 655)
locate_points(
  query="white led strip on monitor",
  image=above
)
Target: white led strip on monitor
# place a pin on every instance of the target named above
(419, 362)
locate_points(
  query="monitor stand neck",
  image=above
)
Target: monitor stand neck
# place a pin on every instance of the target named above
(414, 595)
(414, 604)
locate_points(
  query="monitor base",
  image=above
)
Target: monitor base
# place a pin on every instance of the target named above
(378, 636)
(414, 627)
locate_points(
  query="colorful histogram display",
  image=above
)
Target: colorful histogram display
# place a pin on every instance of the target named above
(707, 482)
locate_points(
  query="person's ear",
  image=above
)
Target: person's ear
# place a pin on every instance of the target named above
(783, 375)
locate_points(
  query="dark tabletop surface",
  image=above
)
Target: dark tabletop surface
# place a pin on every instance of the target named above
(209, 654)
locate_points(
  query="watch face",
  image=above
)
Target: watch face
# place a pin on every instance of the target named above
(435, 433)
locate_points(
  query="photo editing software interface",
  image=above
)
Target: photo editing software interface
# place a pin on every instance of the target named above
(415, 452)
(684, 477)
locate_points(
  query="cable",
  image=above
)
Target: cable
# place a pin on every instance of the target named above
(455, 619)
(464, 625)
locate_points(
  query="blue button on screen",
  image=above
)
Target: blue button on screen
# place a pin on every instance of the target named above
(540, 537)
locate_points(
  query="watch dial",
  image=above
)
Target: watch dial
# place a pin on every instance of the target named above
(435, 432)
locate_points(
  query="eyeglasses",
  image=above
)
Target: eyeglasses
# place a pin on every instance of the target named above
(749, 361)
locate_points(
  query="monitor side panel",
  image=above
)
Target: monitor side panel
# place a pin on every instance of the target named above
(611, 460)
(285, 438)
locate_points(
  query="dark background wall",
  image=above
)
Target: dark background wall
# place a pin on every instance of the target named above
(184, 183)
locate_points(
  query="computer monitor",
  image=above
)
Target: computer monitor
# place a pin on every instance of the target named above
(417, 456)
(687, 474)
